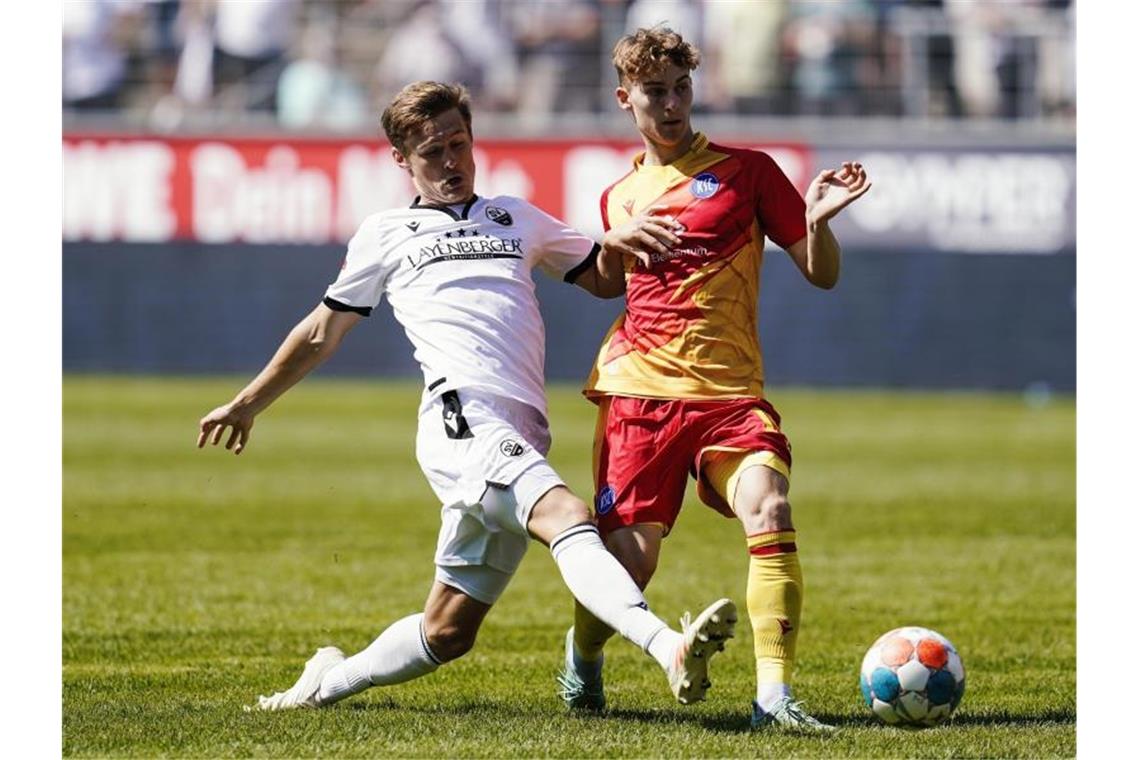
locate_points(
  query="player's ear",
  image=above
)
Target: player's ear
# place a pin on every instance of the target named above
(622, 96)
(400, 159)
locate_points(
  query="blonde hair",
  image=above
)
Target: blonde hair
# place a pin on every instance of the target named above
(648, 51)
(419, 102)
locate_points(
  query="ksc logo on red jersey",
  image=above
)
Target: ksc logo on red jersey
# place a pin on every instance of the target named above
(704, 185)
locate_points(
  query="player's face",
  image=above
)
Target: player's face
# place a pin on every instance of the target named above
(660, 105)
(439, 157)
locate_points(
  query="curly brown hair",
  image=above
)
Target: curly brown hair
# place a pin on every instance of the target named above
(417, 103)
(648, 51)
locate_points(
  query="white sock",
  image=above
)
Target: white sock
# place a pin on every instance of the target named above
(663, 646)
(768, 694)
(602, 585)
(401, 653)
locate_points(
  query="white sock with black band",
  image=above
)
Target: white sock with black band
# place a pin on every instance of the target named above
(602, 585)
(401, 653)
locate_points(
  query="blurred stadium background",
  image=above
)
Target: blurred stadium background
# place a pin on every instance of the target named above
(218, 153)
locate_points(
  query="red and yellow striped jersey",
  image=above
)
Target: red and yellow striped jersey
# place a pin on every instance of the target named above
(689, 326)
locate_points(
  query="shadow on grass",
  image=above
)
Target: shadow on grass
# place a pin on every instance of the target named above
(741, 722)
(475, 709)
(1006, 718)
(466, 708)
(723, 722)
(735, 722)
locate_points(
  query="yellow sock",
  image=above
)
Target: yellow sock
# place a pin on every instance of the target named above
(590, 634)
(775, 597)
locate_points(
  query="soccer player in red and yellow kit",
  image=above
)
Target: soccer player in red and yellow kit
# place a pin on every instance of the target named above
(679, 379)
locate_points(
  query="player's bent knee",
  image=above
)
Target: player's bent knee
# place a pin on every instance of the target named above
(565, 506)
(449, 641)
(771, 512)
(556, 511)
(777, 509)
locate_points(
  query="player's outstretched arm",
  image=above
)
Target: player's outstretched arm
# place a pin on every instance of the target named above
(651, 231)
(313, 340)
(818, 254)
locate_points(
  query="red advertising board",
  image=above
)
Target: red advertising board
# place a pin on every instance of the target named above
(274, 190)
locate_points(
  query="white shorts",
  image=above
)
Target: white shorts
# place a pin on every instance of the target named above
(485, 458)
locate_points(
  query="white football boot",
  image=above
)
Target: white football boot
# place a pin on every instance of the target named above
(702, 638)
(788, 714)
(303, 694)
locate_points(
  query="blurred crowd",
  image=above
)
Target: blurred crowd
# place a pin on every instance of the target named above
(332, 64)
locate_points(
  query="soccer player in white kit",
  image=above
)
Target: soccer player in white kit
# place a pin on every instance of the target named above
(456, 269)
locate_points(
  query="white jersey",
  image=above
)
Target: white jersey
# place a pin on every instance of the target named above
(459, 281)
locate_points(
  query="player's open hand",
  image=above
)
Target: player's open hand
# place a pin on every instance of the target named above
(213, 426)
(833, 190)
(654, 230)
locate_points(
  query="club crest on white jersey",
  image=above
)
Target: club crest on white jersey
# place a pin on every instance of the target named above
(496, 214)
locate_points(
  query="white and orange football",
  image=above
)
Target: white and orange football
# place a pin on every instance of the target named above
(912, 676)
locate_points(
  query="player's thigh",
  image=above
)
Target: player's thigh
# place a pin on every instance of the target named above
(481, 545)
(744, 468)
(483, 457)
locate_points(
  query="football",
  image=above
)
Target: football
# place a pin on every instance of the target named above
(912, 677)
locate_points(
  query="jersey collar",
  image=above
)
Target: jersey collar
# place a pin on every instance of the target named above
(449, 210)
(700, 143)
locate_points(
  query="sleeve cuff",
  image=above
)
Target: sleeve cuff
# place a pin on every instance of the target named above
(336, 305)
(587, 263)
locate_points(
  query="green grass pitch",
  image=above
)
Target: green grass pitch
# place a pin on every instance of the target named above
(195, 580)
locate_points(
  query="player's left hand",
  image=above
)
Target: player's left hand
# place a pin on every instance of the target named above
(213, 426)
(654, 230)
(833, 190)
